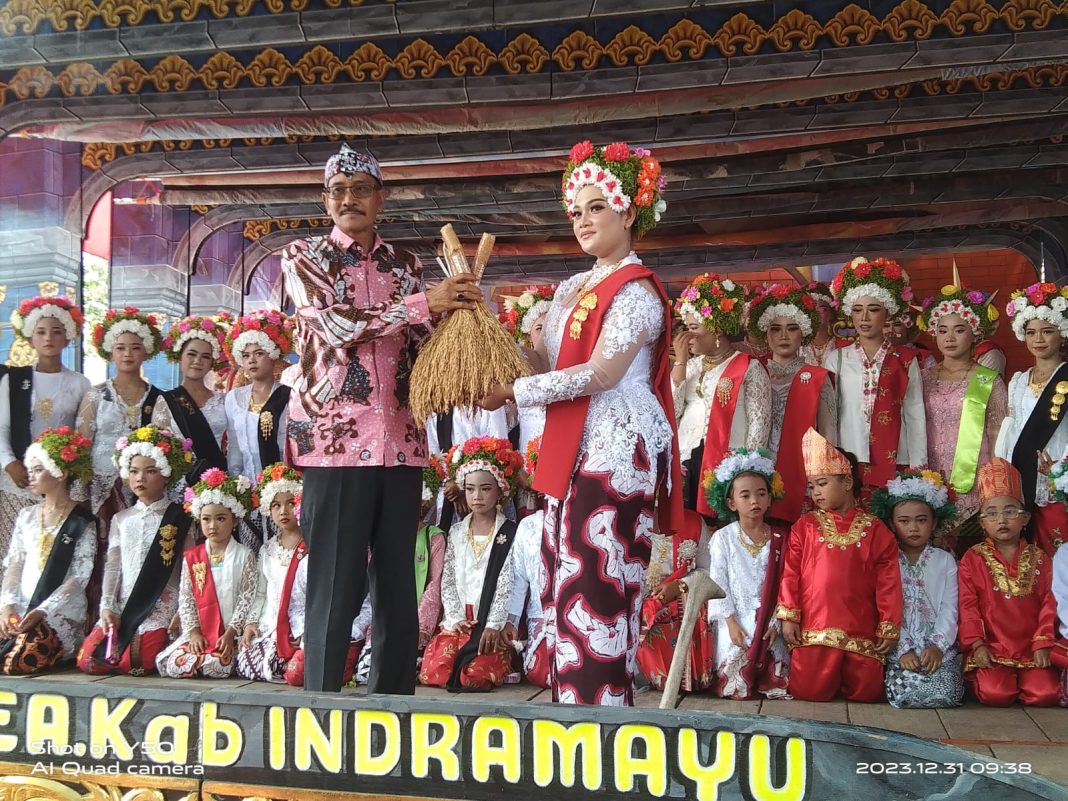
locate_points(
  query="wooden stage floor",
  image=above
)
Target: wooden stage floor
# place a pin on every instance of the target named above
(1014, 734)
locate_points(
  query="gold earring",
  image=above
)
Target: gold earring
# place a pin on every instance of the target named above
(717, 341)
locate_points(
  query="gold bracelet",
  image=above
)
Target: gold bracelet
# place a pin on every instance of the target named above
(683, 587)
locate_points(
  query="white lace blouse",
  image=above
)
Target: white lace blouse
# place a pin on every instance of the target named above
(782, 379)
(464, 575)
(54, 402)
(695, 400)
(214, 410)
(235, 587)
(243, 454)
(273, 567)
(66, 608)
(1022, 402)
(104, 417)
(530, 574)
(624, 409)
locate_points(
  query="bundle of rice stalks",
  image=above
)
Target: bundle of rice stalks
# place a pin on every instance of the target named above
(469, 353)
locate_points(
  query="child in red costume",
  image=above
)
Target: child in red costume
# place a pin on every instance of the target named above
(1007, 608)
(840, 598)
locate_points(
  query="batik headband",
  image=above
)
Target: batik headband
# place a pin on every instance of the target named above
(349, 162)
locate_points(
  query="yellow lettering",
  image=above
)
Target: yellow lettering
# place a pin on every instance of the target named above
(174, 752)
(389, 724)
(551, 738)
(309, 736)
(106, 740)
(8, 742)
(708, 778)
(213, 727)
(48, 718)
(443, 749)
(796, 783)
(506, 755)
(653, 766)
(276, 718)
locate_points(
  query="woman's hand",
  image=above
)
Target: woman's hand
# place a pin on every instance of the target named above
(931, 658)
(909, 661)
(29, 623)
(683, 341)
(737, 633)
(17, 471)
(198, 644)
(225, 646)
(252, 631)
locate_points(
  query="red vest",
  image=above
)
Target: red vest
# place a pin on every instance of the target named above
(720, 420)
(802, 408)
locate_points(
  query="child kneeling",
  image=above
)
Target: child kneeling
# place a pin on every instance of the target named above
(469, 653)
(51, 559)
(218, 585)
(924, 672)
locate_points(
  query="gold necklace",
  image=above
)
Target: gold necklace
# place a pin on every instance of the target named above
(858, 530)
(750, 544)
(216, 559)
(253, 406)
(48, 535)
(708, 364)
(477, 548)
(1035, 385)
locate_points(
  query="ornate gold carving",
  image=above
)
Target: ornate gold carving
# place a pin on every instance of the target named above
(369, 61)
(172, 71)
(631, 42)
(125, 75)
(221, 71)
(418, 58)
(796, 27)
(20, 13)
(523, 52)
(80, 79)
(578, 49)
(910, 16)
(1017, 13)
(685, 35)
(739, 30)
(978, 13)
(471, 54)
(48, 289)
(35, 80)
(318, 65)
(62, 12)
(255, 230)
(269, 66)
(852, 24)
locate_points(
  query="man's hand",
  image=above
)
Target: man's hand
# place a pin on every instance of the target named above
(909, 661)
(982, 657)
(458, 292)
(455, 495)
(509, 634)
(791, 632)
(499, 395)
(17, 471)
(931, 658)
(490, 641)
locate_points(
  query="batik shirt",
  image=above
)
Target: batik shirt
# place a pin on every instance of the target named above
(360, 321)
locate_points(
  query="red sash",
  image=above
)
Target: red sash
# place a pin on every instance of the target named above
(985, 347)
(565, 420)
(718, 433)
(885, 430)
(199, 567)
(802, 407)
(283, 633)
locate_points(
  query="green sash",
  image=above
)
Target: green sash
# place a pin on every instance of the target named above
(422, 558)
(972, 426)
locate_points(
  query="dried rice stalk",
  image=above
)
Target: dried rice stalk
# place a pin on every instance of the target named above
(469, 353)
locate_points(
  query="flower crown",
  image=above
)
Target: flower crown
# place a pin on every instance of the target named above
(882, 279)
(520, 314)
(530, 460)
(779, 300)
(716, 301)
(62, 450)
(820, 292)
(128, 320)
(491, 454)
(216, 487)
(206, 329)
(973, 306)
(1038, 302)
(926, 486)
(717, 483)
(276, 479)
(25, 318)
(433, 477)
(173, 456)
(270, 329)
(625, 175)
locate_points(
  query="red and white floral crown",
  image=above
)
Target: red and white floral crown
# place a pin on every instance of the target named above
(270, 329)
(30, 311)
(490, 454)
(625, 176)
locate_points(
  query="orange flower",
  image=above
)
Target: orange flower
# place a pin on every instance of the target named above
(277, 472)
(1048, 287)
(726, 304)
(644, 197)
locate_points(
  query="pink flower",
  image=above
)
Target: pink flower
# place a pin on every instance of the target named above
(189, 496)
(68, 454)
(213, 477)
(207, 324)
(187, 444)
(976, 297)
(184, 327)
(862, 270)
(906, 294)
(641, 151)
